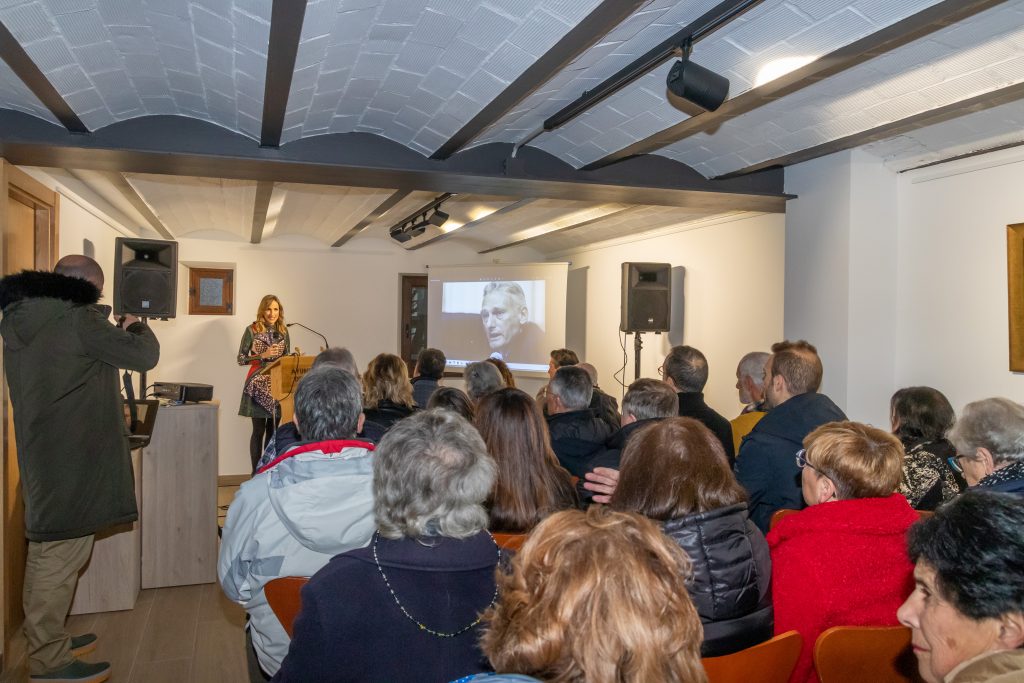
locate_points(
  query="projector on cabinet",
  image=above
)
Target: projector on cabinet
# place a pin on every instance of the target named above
(183, 392)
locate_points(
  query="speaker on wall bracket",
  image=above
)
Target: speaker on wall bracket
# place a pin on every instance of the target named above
(145, 278)
(646, 297)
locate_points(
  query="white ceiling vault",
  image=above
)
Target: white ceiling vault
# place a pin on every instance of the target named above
(424, 94)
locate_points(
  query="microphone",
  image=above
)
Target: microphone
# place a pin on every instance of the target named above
(326, 344)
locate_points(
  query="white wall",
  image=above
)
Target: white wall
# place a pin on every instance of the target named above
(732, 300)
(952, 286)
(841, 264)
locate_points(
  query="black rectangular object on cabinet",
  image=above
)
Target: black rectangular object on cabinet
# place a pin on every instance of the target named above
(646, 297)
(145, 277)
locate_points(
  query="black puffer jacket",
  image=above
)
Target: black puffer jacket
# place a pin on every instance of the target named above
(731, 577)
(576, 437)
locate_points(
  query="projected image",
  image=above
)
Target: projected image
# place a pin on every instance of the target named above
(501, 319)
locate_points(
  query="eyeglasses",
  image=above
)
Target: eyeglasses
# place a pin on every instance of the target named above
(954, 463)
(801, 460)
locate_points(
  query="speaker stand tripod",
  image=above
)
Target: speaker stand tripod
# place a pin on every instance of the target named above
(638, 343)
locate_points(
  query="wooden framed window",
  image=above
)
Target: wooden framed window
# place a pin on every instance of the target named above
(211, 291)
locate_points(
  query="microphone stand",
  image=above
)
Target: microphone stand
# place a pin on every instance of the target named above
(326, 345)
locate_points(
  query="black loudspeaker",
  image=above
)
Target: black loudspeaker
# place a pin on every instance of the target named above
(145, 277)
(646, 297)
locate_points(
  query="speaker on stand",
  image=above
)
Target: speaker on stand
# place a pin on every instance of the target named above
(145, 283)
(646, 302)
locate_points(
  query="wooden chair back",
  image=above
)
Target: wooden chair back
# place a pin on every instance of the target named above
(509, 541)
(779, 514)
(880, 654)
(283, 598)
(772, 661)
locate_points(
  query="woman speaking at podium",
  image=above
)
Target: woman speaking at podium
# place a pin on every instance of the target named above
(264, 341)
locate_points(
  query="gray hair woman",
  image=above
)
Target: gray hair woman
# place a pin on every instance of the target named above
(967, 609)
(407, 608)
(989, 437)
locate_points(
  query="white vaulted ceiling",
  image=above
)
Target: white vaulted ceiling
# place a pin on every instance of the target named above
(481, 76)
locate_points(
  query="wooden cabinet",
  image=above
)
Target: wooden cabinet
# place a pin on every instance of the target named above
(179, 497)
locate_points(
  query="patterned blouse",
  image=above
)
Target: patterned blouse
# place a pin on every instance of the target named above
(927, 480)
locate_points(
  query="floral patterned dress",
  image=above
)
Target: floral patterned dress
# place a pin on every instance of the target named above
(256, 398)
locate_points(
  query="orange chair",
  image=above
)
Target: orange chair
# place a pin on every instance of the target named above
(509, 541)
(283, 597)
(772, 661)
(880, 654)
(779, 514)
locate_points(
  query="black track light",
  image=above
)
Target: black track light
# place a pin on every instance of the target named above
(696, 84)
(438, 218)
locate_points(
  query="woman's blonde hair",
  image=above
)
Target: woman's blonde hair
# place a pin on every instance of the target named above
(387, 379)
(259, 325)
(862, 461)
(597, 597)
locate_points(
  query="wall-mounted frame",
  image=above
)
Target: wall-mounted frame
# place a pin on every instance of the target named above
(1015, 282)
(211, 291)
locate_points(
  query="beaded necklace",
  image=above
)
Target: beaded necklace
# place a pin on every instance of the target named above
(424, 627)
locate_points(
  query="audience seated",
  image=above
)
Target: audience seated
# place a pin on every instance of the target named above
(750, 384)
(576, 434)
(920, 417)
(311, 503)
(603, 405)
(481, 379)
(530, 483)
(842, 561)
(387, 391)
(287, 434)
(595, 597)
(560, 358)
(765, 465)
(675, 472)
(506, 374)
(646, 401)
(686, 370)
(989, 436)
(453, 399)
(427, 374)
(967, 610)
(408, 607)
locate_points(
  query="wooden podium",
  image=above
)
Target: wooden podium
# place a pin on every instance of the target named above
(285, 373)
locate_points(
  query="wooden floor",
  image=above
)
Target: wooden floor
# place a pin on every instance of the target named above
(186, 633)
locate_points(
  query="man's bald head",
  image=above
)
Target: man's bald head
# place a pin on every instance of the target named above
(82, 267)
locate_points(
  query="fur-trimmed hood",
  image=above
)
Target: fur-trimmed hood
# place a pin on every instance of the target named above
(40, 284)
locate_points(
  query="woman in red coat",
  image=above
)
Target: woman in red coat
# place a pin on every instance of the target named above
(843, 560)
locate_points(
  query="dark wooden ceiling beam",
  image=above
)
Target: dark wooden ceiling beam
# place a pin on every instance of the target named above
(939, 115)
(264, 189)
(508, 208)
(34, 79)
(901, 33)
(555, 231)
(124, 186)
(376, 214)
(601, 20)
(285, 30)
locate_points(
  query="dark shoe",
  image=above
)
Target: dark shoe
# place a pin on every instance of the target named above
(83, 644)
(77, 672)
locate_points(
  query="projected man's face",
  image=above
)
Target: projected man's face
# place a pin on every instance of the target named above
(503, 317)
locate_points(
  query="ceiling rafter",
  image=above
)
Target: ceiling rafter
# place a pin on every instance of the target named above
(597, 24)
(124, 186)
(508, 208)
(889, 38)
(285, 31)
(954, 110)
(261, 204)
(34, 79)
(564, 228)
(373, 216)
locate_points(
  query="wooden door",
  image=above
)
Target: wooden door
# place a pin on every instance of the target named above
(414, 318)
(29, 227)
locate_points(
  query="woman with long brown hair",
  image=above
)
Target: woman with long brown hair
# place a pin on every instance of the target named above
(676, 472)
(530, 484)
(387, 391)
(264, 341)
